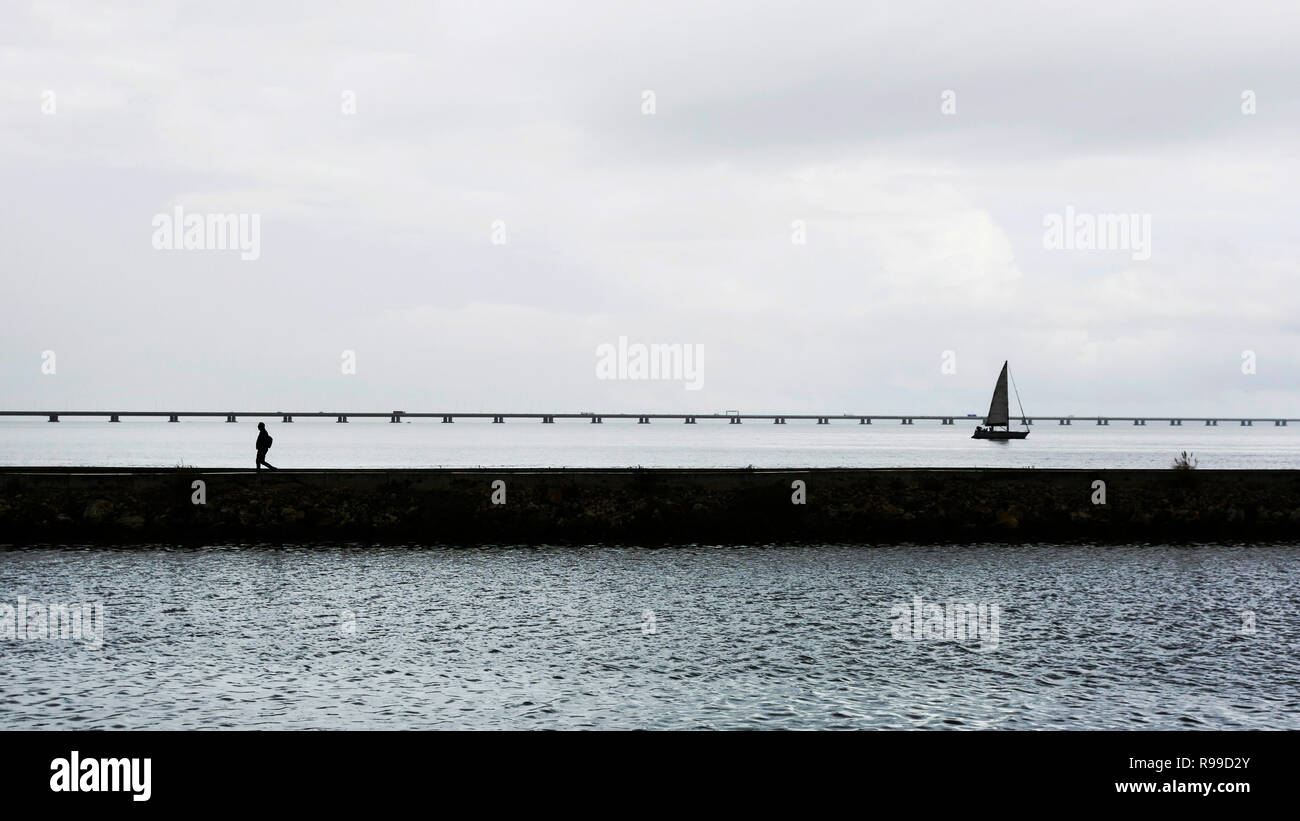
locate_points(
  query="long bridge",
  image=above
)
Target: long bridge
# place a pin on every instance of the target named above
(730, 417)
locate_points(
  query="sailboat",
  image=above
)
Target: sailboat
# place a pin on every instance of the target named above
(998, 410)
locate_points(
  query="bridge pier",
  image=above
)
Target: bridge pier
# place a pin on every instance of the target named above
(1063, 421)
(114, 418)
(1245, 423)
(340, 420)
(864, 421)
(286, 418)
(595, 420)
(690, 420)
(230, 417)
(548, 420)
(1213, 423)
(643, 420)
(907, 421)
(498, 420)
(1279, 423)
(946, 421)
(173, 418)
(54, 417)
(1175, 422)
(446, 420)
(735, 420)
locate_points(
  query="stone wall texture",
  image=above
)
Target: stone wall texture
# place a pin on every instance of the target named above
(67, 505)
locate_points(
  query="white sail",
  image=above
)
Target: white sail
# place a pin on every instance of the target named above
(999, 406)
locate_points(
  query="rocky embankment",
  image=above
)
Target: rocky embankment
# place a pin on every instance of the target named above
(64, 505)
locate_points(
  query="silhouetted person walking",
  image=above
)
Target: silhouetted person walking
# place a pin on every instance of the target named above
(263, 445)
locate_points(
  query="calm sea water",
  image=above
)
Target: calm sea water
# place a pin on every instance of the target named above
(688, 637)
(314, 443)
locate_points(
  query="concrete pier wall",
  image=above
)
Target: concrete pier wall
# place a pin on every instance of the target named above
(48, 505)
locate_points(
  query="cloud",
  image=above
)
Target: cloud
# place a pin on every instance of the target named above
(480, 121)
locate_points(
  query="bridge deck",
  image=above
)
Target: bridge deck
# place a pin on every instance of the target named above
(54, 415)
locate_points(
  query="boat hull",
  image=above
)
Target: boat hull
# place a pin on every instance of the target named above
(999, 434)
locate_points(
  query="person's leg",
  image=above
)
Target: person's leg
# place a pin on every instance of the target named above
(261, 459)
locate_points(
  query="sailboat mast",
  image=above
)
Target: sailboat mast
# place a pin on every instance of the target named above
(1018, 403)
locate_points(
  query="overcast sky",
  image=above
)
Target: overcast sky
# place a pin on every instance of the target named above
(380, 148)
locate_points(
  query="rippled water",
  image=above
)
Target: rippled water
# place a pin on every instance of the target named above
(686, 637)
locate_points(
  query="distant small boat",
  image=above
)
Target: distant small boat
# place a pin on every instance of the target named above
(998, 414)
